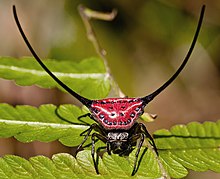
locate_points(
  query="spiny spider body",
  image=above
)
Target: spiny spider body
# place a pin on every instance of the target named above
(117, 113)
(116, 118)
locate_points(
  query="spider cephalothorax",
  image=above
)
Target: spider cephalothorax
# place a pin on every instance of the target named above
(116, 118)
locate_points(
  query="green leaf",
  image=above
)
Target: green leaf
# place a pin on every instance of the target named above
(64, 165)
(193, 146)
(44, 167)
(46, 123)
(18, 167)
(89, 77)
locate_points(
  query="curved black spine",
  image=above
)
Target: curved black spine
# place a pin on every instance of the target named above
(151, 96)
(82, 99)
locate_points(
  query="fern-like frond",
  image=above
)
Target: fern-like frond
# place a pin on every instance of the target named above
(89, 73)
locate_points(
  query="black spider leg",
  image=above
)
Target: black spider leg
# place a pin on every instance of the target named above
(135, 138)
(88, 131)
(103, 139)
(140, 132)
(151, 96)
(143, 127)
(95, 127)
(82, 99)
(108, 147)
(66, 120)
(83, 116)
(99, 136)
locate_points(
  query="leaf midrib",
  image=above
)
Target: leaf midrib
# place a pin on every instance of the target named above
(54, 125)
(58, 74)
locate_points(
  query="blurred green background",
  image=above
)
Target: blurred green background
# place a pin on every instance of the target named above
(145, 44)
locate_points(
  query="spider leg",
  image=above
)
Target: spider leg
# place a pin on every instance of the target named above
(108, 148)
(142, 126)
(88, 131)
(93, 126)
(102, 138)
(134, 138)
(85, 115)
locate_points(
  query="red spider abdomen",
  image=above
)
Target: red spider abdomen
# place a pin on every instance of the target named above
(117, 113)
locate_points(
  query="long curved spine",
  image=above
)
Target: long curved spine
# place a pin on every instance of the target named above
(151, 96)
(82, 99)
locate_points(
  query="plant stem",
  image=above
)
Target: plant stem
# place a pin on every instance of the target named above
(87, 15)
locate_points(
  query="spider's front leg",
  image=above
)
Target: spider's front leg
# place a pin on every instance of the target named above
(142, 126)
(85, 115)
(88, 131)
(103, 139)
(140, 132)
(132, 139)
(108, 147)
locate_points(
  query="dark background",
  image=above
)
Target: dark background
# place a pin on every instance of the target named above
(145, 44)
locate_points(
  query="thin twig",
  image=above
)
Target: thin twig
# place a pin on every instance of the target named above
(87, 15)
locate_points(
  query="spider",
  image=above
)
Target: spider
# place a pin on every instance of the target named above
(116, 118)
